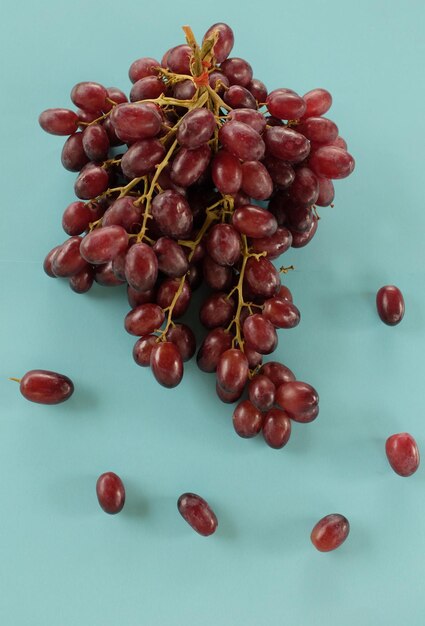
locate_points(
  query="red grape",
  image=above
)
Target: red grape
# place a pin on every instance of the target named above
(247, 419)
(73, 156)
(318, 101)
(287, 144)
(285, 104)
(390, 305)
(149, 87)
(256, 181)
(226, 172)
(91, 181)
(59, 121)
(68, 260)
(216, 310)
(110, 492)
(96, 142)
(402, 453)
(238, 71)
(196, 128)
(141, 267)
(123, 212)
(183, 337)
(262, 277)
(48, 262)
(281, 313)
(331, 162)
(172, 214)
(142, 157)
(83, 281)
(189, 165)
(277, 373)
(167, 291)
(103, 244)
(224, 43)
(144, 319)
(167, 364)
(259, 334)
(242, 141)
(224, 244)
(298, 399)
(135, 121)
(276, 428)
(215, 343)
(197, 513)
(254, 221)
(89, 96)
(238, 97)
(142, 349)
(172, 261)
(275, 245)
(232, 370)
(330, 532)
(140, 68)
(46, 387)
(261, 392)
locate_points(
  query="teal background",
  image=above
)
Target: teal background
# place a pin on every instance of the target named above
(62, 560)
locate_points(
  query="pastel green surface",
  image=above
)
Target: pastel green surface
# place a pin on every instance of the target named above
(63, 561)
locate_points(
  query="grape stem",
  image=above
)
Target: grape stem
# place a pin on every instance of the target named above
(17, 380)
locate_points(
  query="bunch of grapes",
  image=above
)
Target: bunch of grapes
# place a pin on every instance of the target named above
(202, 176)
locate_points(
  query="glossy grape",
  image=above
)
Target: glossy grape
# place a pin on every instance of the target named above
(183, 337)
(142, 157)
(197, 513)
(285, 104)
(259, 334)
(402, 453)
(298, 399)
(73, 156)
(142, 350)
(252, 118)
(68, 260)
(59, 121)
(281, 313)
(276, 428)
(225, 40)
(275, 245)
(96, 142)
(277, 373)
(256, 181)
(89, 96)
(281, 172)
(179, 58)
(330, 532)
(258, 90)
(317, 101)
(83, 281)
(226, 172)
(232, 370)
(91, 182)
(218, 277)
(238, 71)
(304, 190)
(216, 310)
(105, 275)
(123, 212)
(146, 66)
(135, 121)
(301, 239)
(167, 291)
(103, 244)
(262, 277)
(390, 305)
(238, 97)
(286, 144)
(318, 130)
(166, 364)
(141, 267)
(48, 262)
(172, 214)
(144, 319)
(331, 162)
(253, 221)
(172, 260)
(224, 244)
(215, 343)
(247, 419)
(110, 492)
(261, 392)
(149, 87)
(46, 387)
(196, 128)
(242, 141)
(326, 192)
(189, 165)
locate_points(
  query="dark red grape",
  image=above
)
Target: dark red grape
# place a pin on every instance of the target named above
(276, 428)
(238, 71)
(141, 267)
(135, 121)
(259, 334)
(166, 364)
(247, 419)
(318, 101)
(390, 304)
(91, 182)
(116, 95)
(261, 392)
(326, 192)
(83, 281)
(179, 58)
(285, 104)
(172, 260)
(48, 262)
(229, 397)
(68, 260)
(167, 291)
(183, 337)
(142, 350)
(252, 118)
(144, 319)
(232, 370)
(402, 453)
(242, 141)
(226, 172)
(330, 532)
(172, 214)
(331, 162)
(197, 513)
(73, 156)
(218, 277)
(123, 212)
(253, 221)
(185, 90)
(301, 239)
(281, 172)
(286, 144)
(189, 165)
(103, 244)
(261, 277)
(304, 190)
(258, 90)
(135, 297)
(147, 88)
(275, 245)
(238, 97)
(256, 181)
(142, 157)
(224, 43)
(277, 373)
(318, 130)
(216, 310)
(298, 399)
(284, 293)
(89, 96)
(110, 492)
(281, 313)
(224, 244)
(215, 343)
(105, 275)
(196, 128)
(59, 121)
(96, 142)
(146, 66)
(45, 387)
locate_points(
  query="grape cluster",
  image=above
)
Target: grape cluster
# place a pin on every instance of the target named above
(200, 176)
